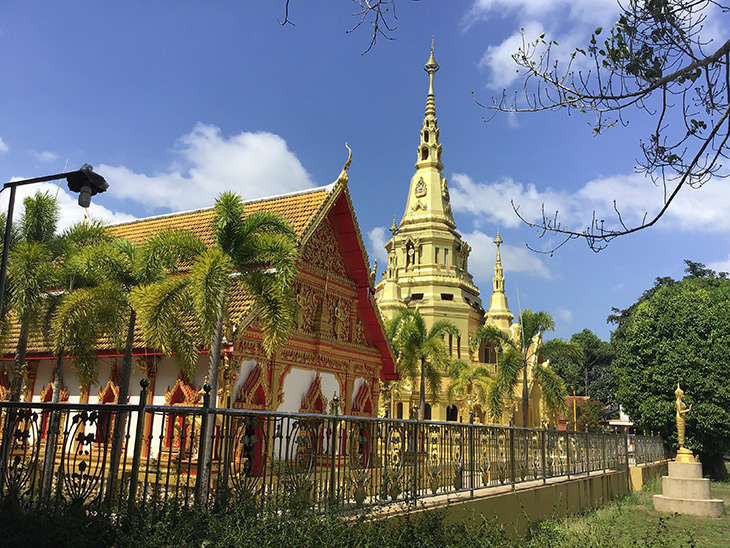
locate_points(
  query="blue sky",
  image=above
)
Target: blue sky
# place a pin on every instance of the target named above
(174, 102)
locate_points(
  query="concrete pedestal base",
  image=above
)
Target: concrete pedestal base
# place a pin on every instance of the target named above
(685, 491)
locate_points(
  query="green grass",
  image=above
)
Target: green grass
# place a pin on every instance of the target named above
(630, 522)
(633, 522)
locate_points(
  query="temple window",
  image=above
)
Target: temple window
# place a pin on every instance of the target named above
(427, 412)
(458, 347)
(399, 410)
(424, 153)
(425, 136)
(446, 257)
(447, 297)
(452, 413)
(437, 256)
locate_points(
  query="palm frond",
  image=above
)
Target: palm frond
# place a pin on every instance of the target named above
(164, 253)
(489, 334)
(40, 218)
(228, 221)
(552, 386)
(209, 282)
(571, 351)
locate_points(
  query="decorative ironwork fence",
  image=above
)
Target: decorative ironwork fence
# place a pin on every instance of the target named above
(64, 451)
(646, 449)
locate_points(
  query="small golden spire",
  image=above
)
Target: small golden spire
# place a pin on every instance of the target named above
(394, 227)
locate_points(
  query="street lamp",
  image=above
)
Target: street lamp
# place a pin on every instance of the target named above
(84, 181)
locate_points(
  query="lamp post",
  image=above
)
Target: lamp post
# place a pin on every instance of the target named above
(84, 181)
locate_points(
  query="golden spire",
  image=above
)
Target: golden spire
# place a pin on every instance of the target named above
(498, 271)
(499, 313)
(431, 67)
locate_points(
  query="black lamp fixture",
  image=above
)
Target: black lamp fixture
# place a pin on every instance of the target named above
(84, 181)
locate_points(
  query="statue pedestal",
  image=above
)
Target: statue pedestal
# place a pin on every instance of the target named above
(685, 491)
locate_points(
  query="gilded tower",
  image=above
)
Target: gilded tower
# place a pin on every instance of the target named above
(427, 259)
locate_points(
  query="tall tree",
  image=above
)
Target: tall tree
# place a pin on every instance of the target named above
(527, 353)
(660, 59)
(180, 314)
(30, 274)
(70, 275)
(421, 353)
(679, 331)
(102, 307)
(593, 375)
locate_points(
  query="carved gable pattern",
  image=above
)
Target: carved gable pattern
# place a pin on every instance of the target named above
(183, 393)
(110, 393)
(314, 401)
(328, 314)
(47, 393)
(363, 404)
(255, 393)
(323, 252)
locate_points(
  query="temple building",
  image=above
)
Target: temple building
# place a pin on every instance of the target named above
(338, 349)
(428, 270)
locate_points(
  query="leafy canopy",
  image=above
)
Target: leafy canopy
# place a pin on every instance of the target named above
(678, 332)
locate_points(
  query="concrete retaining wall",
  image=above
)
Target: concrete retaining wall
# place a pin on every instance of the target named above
(643, 474)
(534, 502)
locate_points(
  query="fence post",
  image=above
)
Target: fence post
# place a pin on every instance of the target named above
(202, 476)
(415, 453)
(5, 447)
(543, 448)
(568, 450)
(138, 442)
(49, 455)
(628, 470)
(471, 451)
(333, 468)
(588, 453)
(512, 453)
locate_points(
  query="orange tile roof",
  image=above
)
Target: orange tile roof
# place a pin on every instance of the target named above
(298, 208)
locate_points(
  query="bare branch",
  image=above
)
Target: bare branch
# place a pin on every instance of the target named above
(653, 59)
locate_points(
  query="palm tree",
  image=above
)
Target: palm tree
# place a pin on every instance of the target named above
(103, 308)
(30, 274)
(527, 353)
(254, 254)
(421, 352)
(471, 383)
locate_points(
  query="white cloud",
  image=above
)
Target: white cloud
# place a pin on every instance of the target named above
(720, 266)
(70, 211)
(567, 22)
(514, 259)
(377, 239)
(44, 156)
(635, 196)
(563, 316)
(498, 59)
(493, 201)
(253, 164)
(3, 146)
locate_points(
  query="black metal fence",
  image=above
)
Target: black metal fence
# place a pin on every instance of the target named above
(65, 452)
